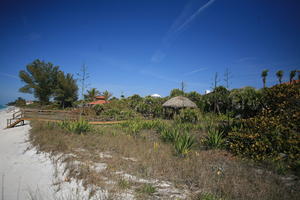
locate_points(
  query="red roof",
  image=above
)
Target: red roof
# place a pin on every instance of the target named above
(100, 97)
(98, 102)
(293, 82)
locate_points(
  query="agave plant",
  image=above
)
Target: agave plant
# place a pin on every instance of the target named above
(183, 144)
(80, 126)
(214, 138)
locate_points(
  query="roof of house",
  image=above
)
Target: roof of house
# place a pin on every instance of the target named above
(100, 97)
(293, 82)
(98, 102)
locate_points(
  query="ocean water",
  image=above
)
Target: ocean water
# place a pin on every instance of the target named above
(2, 107)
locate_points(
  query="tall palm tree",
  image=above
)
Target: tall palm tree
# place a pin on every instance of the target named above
(279, 75)
(264, 75)
(91, 94)
(292, 75)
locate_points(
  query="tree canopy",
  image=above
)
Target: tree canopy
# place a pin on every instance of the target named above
(45, 81)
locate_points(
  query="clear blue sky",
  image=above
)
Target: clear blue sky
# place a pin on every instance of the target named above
(145, 47)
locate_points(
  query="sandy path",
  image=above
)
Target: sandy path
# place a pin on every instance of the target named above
(21, 173)
(24, 173)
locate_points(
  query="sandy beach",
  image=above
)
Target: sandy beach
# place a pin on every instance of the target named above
(24, 174)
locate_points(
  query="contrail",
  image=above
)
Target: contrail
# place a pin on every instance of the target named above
(193, 16)
(181, 22)
(8, 75)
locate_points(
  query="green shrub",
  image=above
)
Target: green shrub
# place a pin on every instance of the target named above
(183, 144)
(274, 131)
(79, 127)
(214, 138)
(147, 188)
(169, 135)
(187, 116)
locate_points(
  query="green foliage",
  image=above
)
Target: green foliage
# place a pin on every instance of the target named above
(214, 139)
(79, 127)
(279, 75)
(274, 131)
(18, 102)
(183, 144)
(40, 79)
(169, 135)
(188, 116)
(217, 101)
(195, 97)
(176, 92)
(91, 95)
(245, 102)
(107, 95)
(66, 89)
(147, 188)
(149, 107)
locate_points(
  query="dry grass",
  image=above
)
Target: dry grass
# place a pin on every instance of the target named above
(201, 172)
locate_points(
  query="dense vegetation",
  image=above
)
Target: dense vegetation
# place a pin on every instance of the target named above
(257, 125)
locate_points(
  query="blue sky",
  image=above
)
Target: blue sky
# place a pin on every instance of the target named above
(148, 47)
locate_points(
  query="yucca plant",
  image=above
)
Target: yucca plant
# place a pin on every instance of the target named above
(183, 144)
(169, 135)
(80, 126)
(214, 138)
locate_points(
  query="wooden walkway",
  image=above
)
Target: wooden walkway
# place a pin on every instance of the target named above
(19, 119)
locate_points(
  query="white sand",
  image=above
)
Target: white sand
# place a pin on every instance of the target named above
(25, 173)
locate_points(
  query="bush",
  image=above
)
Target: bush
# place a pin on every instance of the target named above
(188, 116)
(214, 139)
(183, 144)
(79, 127)
(274, 131)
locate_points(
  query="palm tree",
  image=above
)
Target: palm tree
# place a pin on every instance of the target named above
(107, 95)
(279, 75)
(91, 94)
(292, 75)
(264, 75)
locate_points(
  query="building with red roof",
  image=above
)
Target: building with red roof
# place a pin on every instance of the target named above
(99, 100)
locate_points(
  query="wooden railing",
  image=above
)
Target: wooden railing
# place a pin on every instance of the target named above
(17, 118)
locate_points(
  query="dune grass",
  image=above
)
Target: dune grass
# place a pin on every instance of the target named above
(205, 174)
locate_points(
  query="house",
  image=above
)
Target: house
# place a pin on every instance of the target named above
(29, 102)
(99, 100)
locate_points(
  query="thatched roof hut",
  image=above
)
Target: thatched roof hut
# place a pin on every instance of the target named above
(179, 102)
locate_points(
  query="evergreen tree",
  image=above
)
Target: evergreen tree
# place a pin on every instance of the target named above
(66, 90)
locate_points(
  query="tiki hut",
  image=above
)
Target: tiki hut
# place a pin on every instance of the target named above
(173, 105)
(179, 102)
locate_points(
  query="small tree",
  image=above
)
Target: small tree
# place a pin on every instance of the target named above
(279, 75)
(264, 75)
